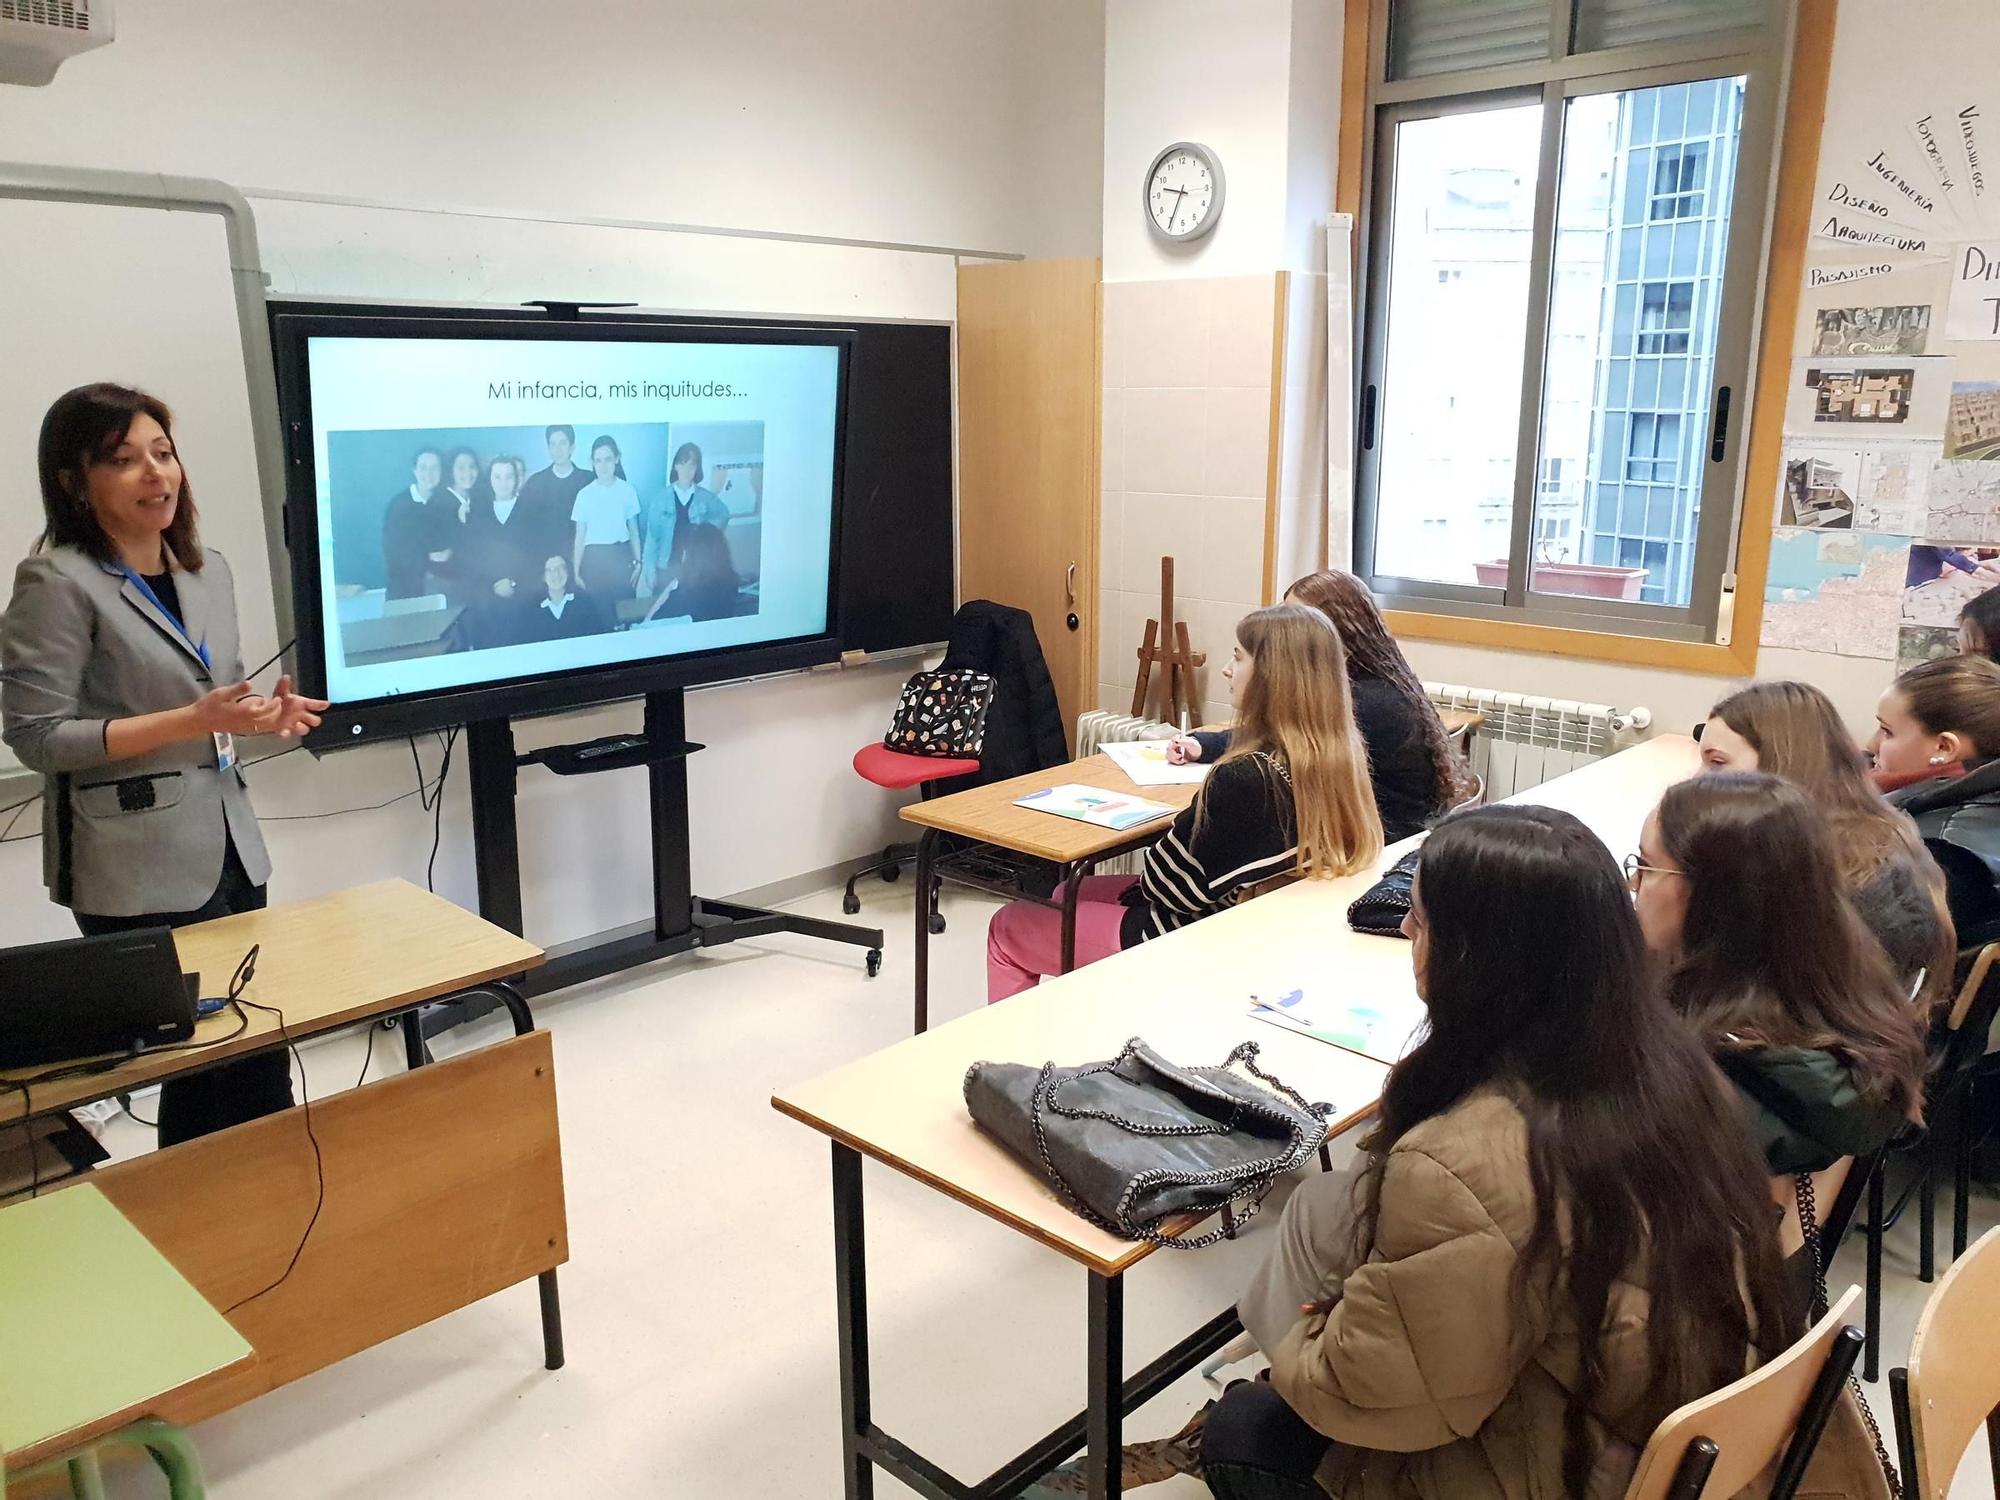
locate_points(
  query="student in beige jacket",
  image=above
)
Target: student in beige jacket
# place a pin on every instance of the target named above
(1560, 1231)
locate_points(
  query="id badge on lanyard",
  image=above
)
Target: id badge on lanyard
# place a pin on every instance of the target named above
(225, 743)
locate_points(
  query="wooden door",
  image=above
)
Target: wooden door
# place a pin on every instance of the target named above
(1028, 455)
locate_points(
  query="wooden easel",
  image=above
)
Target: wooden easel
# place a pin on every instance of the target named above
(1167, 644)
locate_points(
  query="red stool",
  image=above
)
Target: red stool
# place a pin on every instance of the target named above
(896, 771)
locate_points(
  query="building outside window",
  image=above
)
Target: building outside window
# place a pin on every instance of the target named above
(1558, 289)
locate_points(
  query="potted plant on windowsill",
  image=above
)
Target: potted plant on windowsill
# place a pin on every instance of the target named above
(1592, 580)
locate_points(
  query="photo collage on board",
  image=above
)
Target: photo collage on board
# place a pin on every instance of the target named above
(1888, 506)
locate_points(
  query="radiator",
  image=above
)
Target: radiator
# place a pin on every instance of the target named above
(1526, 741)
(1100, 727)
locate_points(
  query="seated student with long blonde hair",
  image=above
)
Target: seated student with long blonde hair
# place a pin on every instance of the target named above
(1291, 796)
(1792, 729)
(1416, 774)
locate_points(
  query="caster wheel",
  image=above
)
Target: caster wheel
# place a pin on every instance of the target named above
(891, 874)
(937, 922)
(874, 962)
(850, 903)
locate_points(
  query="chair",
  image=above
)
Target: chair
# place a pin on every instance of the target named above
(1952, 1384)
(168, 1446)
(1960, 1051)
(894, 770)
(1720, 1443)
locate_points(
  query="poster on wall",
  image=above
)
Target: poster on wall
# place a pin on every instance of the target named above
(1972, 420)
(1821, 487)
(1962, 502)
(1973, 313)
(1863, 331)
(1942, 578)
(1917, 644)
(1868, 400)
(1895, 485)
(1834, 592)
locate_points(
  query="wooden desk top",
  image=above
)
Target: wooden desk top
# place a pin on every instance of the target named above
(326, 963)
(906, 1106)
(1188, 993)
(988, 813)
(98, 1326)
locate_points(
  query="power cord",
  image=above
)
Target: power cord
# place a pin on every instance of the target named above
(433, 802)
(245, 971)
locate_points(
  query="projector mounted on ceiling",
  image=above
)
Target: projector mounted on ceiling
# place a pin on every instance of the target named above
(37, 36)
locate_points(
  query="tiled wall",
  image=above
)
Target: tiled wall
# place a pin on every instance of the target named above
(1187, 438)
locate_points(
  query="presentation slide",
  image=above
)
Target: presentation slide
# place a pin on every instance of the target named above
(493, 510)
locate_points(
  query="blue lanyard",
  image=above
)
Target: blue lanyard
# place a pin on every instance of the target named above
(200, 647)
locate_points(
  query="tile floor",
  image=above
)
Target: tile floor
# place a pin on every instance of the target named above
(698, 1303)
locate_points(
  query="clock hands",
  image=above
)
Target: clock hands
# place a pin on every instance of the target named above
(1180, 195)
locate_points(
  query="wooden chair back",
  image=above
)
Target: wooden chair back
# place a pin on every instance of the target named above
(1719, 1444)
(1953, 1385)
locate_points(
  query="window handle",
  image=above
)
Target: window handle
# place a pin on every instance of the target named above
(1718, 438)
(1368, 404)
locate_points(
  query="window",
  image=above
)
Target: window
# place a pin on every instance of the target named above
(1666, 314)
(1556, 289)
(1678, 181)
(1652, 447)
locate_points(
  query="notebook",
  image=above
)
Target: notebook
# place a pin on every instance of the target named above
(1145, 761)
(1090, 804)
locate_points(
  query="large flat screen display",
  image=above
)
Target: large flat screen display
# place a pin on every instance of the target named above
(493, 518)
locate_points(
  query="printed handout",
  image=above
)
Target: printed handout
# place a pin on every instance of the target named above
(1145, 761)
(1090, 804)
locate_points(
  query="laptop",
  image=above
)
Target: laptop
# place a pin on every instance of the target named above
(93, 996)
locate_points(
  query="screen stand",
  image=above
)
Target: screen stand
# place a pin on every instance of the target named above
(682, 921)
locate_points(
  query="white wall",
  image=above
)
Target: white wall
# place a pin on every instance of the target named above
(965, 123)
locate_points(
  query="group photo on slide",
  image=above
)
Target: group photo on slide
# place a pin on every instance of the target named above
(491, 537)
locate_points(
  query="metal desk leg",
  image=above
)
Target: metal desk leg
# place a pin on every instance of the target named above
(552, 1344)
(1104, 1415)
(850, 1275)
(1072, 883)
(926, 856)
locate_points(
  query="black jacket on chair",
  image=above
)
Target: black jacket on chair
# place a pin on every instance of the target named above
(1959, 819)
(1024, 727)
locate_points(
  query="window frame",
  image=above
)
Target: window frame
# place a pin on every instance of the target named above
(1762, 57)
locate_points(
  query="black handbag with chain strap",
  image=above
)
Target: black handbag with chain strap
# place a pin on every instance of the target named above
(1138, 1140)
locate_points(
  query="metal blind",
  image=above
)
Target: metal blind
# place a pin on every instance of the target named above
(1427, 37)
(1602, 24)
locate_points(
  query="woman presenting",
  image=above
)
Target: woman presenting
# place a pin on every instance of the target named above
(121, 682)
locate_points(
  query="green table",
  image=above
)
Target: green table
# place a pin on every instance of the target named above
(97, 1328)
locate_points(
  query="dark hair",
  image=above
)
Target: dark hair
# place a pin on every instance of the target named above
(706, 563)
(1982, 615)
(519, 467)
(608, 441)
(451, 462)
(1956, 695)
(684, 452)
(564, 428)
(1641, 1166)
(1772, 953)
(85, 427)
(436, 453)
(1373, 653)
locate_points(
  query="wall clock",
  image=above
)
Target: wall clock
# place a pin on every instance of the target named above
(1182, 192)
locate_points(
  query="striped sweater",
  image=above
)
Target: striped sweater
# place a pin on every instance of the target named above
(1249, 835)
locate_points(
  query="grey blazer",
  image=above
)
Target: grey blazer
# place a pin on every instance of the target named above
(81, 645)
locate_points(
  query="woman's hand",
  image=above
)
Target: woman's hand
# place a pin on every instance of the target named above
(1183, 750)
(504, 587)
(236, 709)
(296, 712)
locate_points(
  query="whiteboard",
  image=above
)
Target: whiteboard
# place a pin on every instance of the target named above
(142, 297)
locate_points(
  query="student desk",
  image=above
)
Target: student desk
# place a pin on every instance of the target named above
(904, 1107)
(987, 815)
(443, 1184)
(1188, 993)
(99, 1328)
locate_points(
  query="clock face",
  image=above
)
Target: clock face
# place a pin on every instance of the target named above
(1183, 192)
